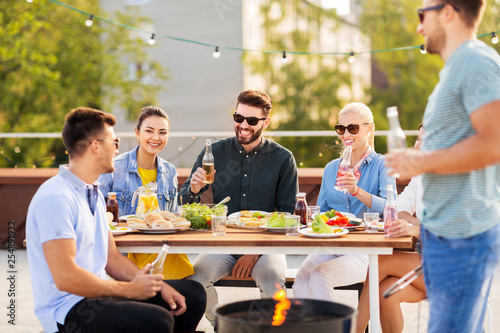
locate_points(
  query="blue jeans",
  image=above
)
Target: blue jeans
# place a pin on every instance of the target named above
(458, 274)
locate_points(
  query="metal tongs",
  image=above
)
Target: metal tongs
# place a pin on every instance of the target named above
(404, 281)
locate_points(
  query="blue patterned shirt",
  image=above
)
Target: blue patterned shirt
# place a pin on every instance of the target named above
(463, 204)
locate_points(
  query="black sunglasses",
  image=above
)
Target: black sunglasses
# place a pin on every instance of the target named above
(252, 121)
(421, 11)
(352, 128)
(115, 142)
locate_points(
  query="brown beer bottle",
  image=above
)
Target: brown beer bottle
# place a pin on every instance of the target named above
(112, 205)
(301, 207)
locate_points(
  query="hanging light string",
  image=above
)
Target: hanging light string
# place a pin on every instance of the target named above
(350, 54)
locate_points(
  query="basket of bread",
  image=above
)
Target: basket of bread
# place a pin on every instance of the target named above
(159, 220)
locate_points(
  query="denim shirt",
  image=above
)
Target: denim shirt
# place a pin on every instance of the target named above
(126, 180)
(374, 180)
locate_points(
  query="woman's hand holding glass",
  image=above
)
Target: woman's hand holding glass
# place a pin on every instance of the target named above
(401, 228)
(349, 182)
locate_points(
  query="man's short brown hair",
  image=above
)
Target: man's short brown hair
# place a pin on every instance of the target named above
(83, 125)
(255, 98)
(471, 11)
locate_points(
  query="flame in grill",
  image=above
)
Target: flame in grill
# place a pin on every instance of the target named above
(281, 307)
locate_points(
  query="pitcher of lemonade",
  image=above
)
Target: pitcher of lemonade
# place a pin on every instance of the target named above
(148, 200)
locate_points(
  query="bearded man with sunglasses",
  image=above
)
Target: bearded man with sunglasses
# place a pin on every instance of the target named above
(460, 163)
(258, 174)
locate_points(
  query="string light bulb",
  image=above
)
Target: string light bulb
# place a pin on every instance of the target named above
(494, 38)
(284, 59)
(423, 49)
(152, 40)
(216, 53)
(352, 58)
(90, 21)
(29, 1)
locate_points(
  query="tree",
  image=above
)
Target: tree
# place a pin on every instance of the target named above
(408, 77)
(51, 62)
(304, 90)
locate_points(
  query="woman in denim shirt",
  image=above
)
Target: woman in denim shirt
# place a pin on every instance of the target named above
(366, 192)
(139, 167)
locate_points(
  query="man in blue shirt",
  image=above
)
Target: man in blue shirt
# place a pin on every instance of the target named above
(71, 249)
(459, 161)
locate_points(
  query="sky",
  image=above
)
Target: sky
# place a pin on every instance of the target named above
(343, 6)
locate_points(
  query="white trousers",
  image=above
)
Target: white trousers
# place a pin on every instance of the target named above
(209, 268)
(320, 273)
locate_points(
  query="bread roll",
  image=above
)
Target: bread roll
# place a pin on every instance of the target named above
(151, 217)
(181, 222)
(109, 217)
(167, 215)
(162, 224)
(137, 223)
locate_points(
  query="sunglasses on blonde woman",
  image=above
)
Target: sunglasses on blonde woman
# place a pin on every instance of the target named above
(352, 128)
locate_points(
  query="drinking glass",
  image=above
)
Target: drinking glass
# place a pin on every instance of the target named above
(371, 222)
(218, 224)
(292, 225)
(312, 211)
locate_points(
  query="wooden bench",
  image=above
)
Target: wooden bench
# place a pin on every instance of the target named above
(229, 281)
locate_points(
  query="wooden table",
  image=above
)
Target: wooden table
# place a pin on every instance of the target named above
(263, 242)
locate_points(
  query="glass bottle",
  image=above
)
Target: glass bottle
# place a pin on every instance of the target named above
(157, 264)
(390, 209)
(112, 205)
(208, 163)
(344, 166)
(301, 207)
(396, 138)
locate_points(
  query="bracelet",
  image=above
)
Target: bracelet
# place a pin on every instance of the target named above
(355, 194)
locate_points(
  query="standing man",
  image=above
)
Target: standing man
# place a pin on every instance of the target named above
(258, 174)
(71, 249)
(459, 160)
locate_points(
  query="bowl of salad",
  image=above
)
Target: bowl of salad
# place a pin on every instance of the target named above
(200, 214)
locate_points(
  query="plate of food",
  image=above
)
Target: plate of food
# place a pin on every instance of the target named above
(247, 219)
(120, 231)
(126, 217)
(275, 222)
(341, 219)
(159, 230)
(337, 232)
(159, 222)
(273, 229)
(248, 214)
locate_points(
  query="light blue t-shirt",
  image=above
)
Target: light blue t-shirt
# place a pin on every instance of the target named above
(374, 180)
(464, 204)
(60, 210)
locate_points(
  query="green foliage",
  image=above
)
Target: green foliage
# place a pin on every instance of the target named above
(50, 62)
(304, 90)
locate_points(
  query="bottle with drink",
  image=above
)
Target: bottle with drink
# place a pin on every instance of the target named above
(157, 264)
(208, 163)
(345, 166)
(112, 205)
(396, 138)
(390, 210)
(301, 207)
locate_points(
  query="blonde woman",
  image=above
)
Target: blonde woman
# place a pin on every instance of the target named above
(366, 192)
